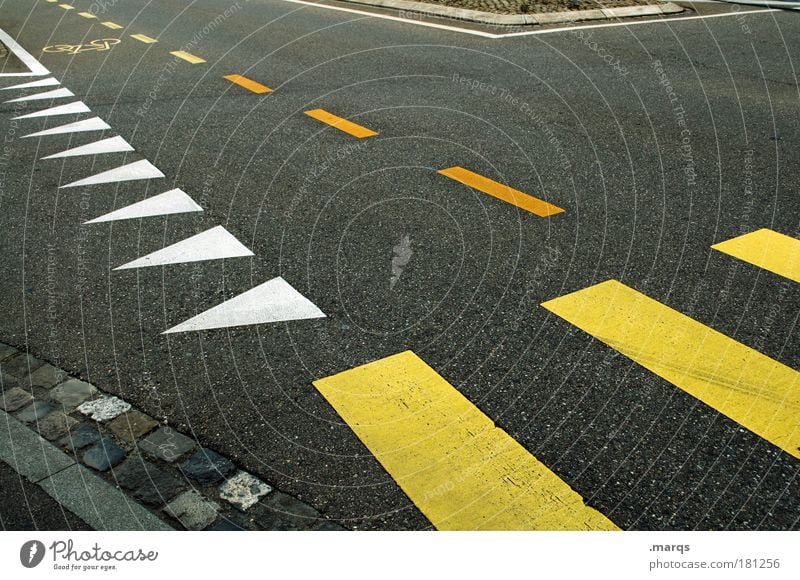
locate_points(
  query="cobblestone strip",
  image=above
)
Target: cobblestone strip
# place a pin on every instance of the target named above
(119, 469)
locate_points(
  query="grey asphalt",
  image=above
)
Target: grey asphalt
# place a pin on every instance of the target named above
(324, 211)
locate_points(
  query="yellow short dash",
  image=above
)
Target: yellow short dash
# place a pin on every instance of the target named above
(66, 7)
(458, 468)
(342, 124)
(502, 192)
(766, 249)
(250, 85)
(144, 38)
(52, 1)
(754, 390)
(111, 25)
(87, 15)
(187, 57)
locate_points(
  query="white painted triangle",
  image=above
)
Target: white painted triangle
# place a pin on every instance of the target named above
(54, 94)
(93, 124)
(213, 244)
(34, 84)
(68, 109)
(169, 202)
(131, 172)
(272, 301)
(110, 145)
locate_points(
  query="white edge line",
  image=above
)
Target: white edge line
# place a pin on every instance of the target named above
(36, 68)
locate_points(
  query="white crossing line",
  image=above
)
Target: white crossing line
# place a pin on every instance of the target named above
(93, 124)
(54, 94)
(33, 84)
(167, 203)
(131, 172)
(36, 68)
(110, 145)
(68, 109)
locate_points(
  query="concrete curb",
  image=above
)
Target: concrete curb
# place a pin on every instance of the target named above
(521, 19)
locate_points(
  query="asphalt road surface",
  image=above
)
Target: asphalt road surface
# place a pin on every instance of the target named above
(657, 140)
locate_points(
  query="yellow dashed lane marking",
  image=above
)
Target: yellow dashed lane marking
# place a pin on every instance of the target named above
(766, 249)
(87, 15)
(187, 57)
(112, 25)
(503, 192)
(250, 85)
(754, 390)
(457, 467)
(342, 124)
(144, 38)
(66, 7)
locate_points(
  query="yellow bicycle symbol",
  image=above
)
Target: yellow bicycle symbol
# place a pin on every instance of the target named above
(95, 45)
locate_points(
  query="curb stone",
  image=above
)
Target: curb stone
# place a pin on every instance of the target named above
(518, 19)
(116, 468)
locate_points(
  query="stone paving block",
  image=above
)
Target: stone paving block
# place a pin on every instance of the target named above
(104, 408)
(167, 444)
(47, 376)
(192, 510)
(132, 425)
(21, 365)
(34, 411)
(14, 399)
(7, 351)
(280, 511)
(56, 425)
(7, 382)
(80, 437)
(104, 455)
(30, 455)
(207, 467)
(72, 393)
(148, 483)
(243, 490)
(226, 525)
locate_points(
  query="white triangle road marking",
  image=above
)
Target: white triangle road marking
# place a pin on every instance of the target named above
(54, 94)
(272, 301)
(93, 124)
(51, 82)
(68, 109)
(110, 145)
(167, 203)
(131, 172)
(213, 244)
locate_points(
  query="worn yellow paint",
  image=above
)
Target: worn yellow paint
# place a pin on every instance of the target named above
(143, 38)
(87, 15)
(66, 7)
(754, 390)
(187, 57)
(341, 124)
(458, 468)
(766, 249)
(52, 1)
(250, 85)
(112, 25)
(500, 191)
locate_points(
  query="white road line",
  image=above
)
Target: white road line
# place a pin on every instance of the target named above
(55, 94)
(167, 203)
(214, 244)
(93, 124)
(272, 301)
(110, 145)
(33, 84)
(34, 66)
(131, 172)
(68, 109)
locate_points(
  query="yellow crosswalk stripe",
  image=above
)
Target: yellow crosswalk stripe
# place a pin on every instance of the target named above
(458, 468)
(187, 57)
(144, 38)
(250, 85)
(754, 390)
(503, 192)
(341, 124)
(87, 15)
(766, 249)
(111, 25)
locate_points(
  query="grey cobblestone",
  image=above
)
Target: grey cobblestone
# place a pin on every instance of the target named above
(148, 483)
(21, 365)
(104, 408)
(47, 376)
(206, 467)
(536, 6)
(80, 437)
(131, 426)
(7, 382)
(7, 351)
(56, 425)
(192, 510)
(243, 490)
(72, 393)
(167, 444)
(14, 399)
(104, 455)
(35, 411)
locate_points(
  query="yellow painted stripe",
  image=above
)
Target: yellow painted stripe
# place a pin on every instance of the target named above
(341, 124)
(66, 7)
(144, 38)
(500, 191)
(458, 468)
(87, 15)
(111, 25)
(766, 249)
(250, 85)
(754, 390)
(52, 1)
(187, 57)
